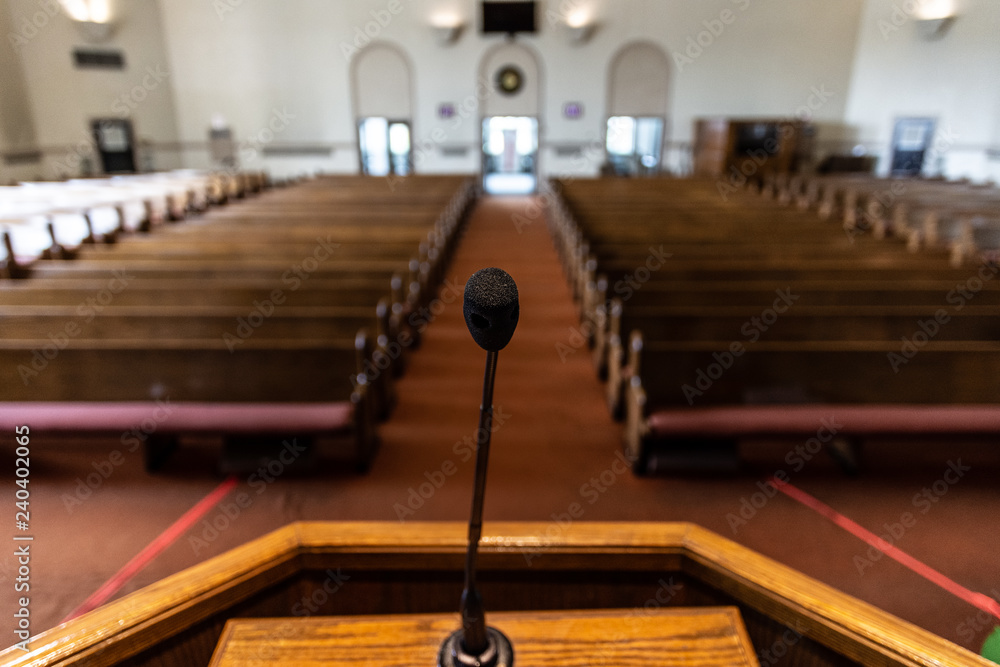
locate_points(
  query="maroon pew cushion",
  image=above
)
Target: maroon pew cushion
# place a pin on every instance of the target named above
(803, 419)
(243, 418)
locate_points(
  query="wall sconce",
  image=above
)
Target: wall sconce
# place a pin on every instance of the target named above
(581, 33)
(447, 29)
(91, 17)
(580, 27)
(930, 29)
(934, 17)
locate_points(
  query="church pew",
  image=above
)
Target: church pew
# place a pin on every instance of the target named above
(191, 268)
(90, 294)
(788, 321)
(878, 384)
(414, 219)
(94, 378)
(234, 325)
(224, 253)
(611, 302)
(628, 281)
(118, 322)
(726, 256)
(816, 290)
(879, 203)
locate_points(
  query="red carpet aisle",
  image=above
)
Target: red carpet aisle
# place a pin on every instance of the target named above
(552, 432)
(556, 447)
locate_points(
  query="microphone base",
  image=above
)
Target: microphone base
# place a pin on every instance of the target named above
(500, 653)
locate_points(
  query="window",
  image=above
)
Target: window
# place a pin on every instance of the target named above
(634, 145)
(385, 147)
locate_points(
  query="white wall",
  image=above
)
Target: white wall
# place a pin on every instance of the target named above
(246, 59)
(64, 99)
(278, 73)
(954, 79)
(17, 125)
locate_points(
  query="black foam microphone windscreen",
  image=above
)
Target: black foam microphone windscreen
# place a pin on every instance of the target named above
(491, 308)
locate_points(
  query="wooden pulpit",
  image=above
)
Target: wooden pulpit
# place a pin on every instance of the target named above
(586, 593)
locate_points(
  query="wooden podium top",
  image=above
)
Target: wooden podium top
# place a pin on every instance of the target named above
(614, 638)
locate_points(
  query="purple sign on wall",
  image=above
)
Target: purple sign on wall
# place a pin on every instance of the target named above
(572, 110)
(446, 110)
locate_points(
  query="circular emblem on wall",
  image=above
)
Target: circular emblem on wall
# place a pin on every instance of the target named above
(509, 80)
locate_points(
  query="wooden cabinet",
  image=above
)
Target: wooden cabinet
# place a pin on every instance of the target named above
(752, 147)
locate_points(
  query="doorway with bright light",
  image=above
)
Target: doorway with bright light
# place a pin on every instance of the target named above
(510, 155)
(384, 146)
(634, 145)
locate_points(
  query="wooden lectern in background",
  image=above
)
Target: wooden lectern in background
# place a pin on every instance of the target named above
(586, 593)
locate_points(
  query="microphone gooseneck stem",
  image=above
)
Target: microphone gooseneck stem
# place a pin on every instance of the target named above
(474, 638)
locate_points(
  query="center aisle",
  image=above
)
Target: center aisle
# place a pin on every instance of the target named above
(552, 429)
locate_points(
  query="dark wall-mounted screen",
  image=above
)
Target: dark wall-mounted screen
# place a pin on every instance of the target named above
(508, 17)
(84, 58)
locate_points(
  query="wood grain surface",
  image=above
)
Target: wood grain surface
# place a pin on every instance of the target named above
(707, 636)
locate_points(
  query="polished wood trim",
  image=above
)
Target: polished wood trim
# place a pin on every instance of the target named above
(613, 637)
(850, 627)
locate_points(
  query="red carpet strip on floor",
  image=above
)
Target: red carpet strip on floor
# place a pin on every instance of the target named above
(978, 600)
(154, 549)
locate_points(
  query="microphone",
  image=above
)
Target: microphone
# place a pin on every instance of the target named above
(491, 312)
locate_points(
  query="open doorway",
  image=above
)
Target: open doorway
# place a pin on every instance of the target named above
(385, 146)
(634, 145)
(638, 99)
(510, 154)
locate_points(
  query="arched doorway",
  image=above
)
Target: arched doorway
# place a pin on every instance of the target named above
(510, 112)
(382, 86)
(638, 92)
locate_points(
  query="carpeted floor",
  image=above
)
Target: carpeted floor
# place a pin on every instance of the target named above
(554, 445)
